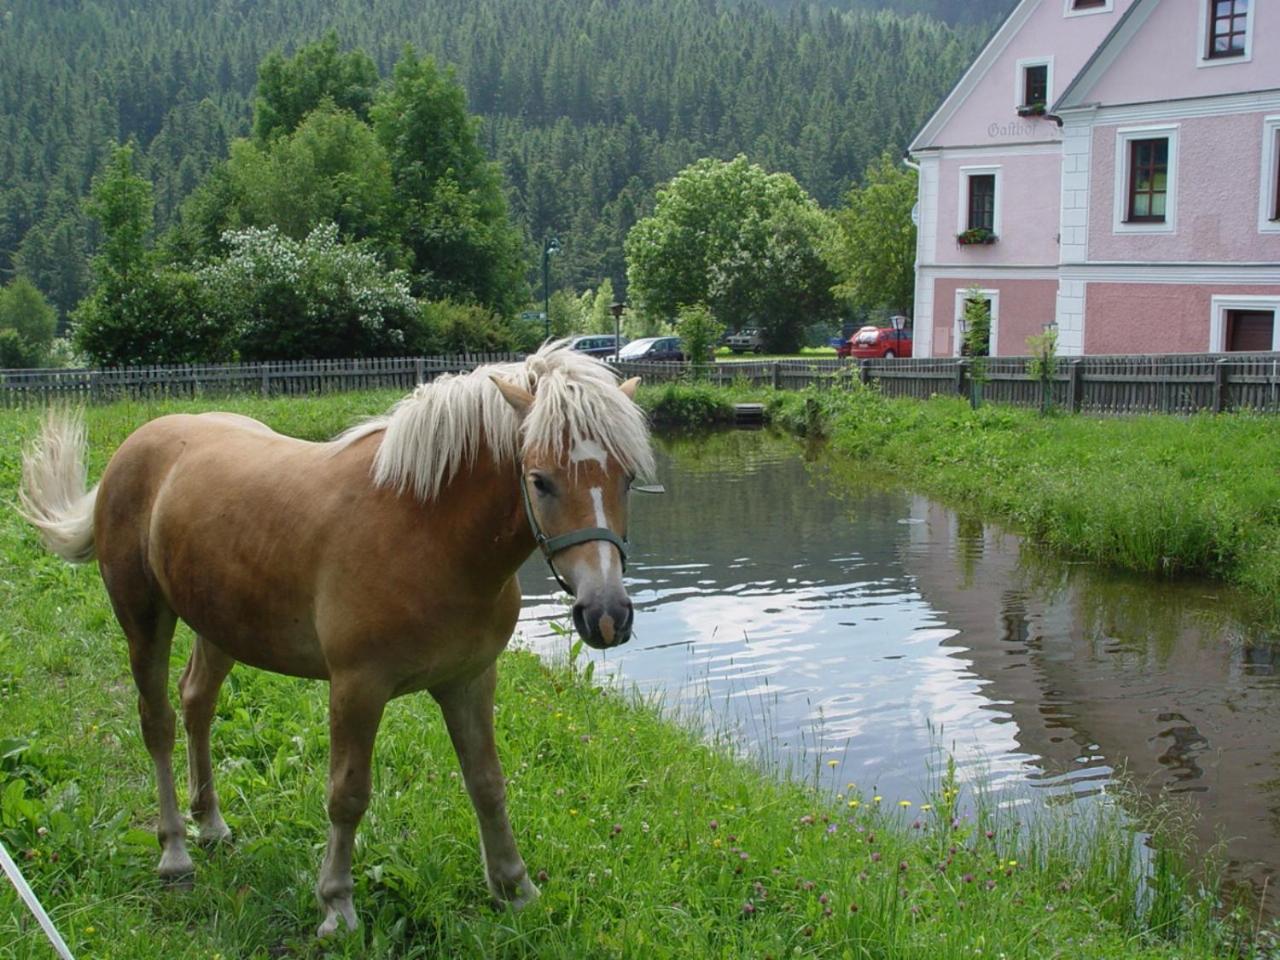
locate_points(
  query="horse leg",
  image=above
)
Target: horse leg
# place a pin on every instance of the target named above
(355, 710)
(149, 629)
(468, 713)
(199, 686)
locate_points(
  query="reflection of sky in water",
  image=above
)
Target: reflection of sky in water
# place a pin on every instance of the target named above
(811, 644)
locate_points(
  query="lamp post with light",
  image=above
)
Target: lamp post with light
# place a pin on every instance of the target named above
(550, 246)
(616, 309)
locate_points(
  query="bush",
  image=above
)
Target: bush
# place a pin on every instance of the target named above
(282, 299)
(447, 327)
(699, 332)
(27, 325)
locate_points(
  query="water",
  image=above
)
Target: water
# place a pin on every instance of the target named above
(820, 616)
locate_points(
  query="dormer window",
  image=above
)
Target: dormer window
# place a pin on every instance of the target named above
(1034, 86)
(1228, 28)
(1080, 8)
(1087, 4)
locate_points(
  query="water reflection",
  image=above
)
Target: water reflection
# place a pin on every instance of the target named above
(828, 617)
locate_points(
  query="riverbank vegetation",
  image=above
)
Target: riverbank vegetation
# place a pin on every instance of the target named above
(647, 839)
(1169, 496)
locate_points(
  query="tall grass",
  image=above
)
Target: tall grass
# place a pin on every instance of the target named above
(649, 841)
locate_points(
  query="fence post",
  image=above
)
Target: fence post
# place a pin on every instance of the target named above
(777, 375)
(419, 370)
(1075, 385)
(864, 371)
(962, 373)
(266, 381)
(1219, 400)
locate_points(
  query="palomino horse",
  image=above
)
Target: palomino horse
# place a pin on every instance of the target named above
(384, 562)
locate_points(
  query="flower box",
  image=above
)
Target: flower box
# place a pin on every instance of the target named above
(1032, 110)
(978, 236)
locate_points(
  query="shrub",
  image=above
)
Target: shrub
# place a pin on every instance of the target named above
(699, 332)
(444, 326)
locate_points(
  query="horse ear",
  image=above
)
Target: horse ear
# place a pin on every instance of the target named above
(519, 398)
(629, 388)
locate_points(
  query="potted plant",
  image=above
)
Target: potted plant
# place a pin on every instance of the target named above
(975, 236)
(1032, 110)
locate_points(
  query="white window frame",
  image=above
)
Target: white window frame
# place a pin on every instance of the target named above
(1202, 56)
(962, 206)
(1268, 201)
(1218, 318)
(1020, 80)
(1124, 137)
(961, 297)
(1069, 11)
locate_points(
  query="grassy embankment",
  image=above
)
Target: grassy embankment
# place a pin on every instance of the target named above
(651, 841)
(1156, 494)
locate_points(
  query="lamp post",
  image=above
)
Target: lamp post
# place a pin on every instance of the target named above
(551, 245)
(616, 309)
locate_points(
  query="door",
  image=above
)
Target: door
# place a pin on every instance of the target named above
(1250, 330)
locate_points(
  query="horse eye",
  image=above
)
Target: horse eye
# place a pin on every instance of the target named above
(540, 484)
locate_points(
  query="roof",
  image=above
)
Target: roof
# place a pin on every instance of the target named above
(1102, 59)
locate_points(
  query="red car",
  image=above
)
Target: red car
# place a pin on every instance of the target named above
(876, 342)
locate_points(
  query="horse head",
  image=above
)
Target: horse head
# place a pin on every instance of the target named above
(576, 499)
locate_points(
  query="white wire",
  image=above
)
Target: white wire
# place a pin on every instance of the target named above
(29, 898)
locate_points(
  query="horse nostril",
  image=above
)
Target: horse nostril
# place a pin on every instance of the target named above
(580, 620)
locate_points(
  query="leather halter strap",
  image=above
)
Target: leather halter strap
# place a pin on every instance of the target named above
(550, 546)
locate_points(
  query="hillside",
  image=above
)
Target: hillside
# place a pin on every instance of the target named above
(585, 105)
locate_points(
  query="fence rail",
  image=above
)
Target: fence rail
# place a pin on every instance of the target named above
(1174, 383)
(20, 388)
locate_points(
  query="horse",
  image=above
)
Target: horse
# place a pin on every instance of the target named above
(383, 561)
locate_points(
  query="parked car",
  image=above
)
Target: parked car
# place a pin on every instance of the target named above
(745, 341)
(876, 342)
(653, 349)
(597, 344)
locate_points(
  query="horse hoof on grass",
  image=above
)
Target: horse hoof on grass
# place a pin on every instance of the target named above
(214, 835)
(336, 915)
(176, 871)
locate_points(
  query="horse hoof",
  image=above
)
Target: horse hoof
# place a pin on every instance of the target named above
(337, 914)
(176, 871)
(525, 894)
(214, 835)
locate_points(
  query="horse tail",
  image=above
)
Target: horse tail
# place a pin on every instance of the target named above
(53, 496)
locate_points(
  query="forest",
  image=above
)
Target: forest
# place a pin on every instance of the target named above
(586, 107)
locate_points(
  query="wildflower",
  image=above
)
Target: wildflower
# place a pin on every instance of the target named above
(715, 824)
(617, 829)
(916, 824)
(876, 799)
(854, 804)
(926, 807)
(967, 878)
(904, 803)
(716, 843)
(833, 764)
(748, 908)
(542, 876)
(875, 857)
(823, 899)
(853, 908)
(904, 866)
(573, 811)
(90, 930)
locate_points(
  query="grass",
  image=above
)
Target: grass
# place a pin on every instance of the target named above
(651, 839)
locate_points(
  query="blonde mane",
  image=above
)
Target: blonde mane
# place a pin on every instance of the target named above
(443, 425)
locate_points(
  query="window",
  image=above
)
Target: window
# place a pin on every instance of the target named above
(990, 299)
(982, 202)
(1148, 180)
(1035, 86)
(1244, 323)
(1080, 8)
(1269, 195)
(1228, 28)
(1250, 330)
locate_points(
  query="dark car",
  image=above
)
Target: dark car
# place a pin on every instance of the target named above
(653, 349)
(602, 345)
(876, 342)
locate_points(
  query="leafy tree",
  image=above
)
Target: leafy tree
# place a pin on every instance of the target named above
(330, 169)
(27, 325)
(699, 332)
(875, 250)
(454, 214)
(289, 88)
(747, 243)
(448, 327)
(283, 299)
(599, 318)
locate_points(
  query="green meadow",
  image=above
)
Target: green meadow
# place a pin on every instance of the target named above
(649, 837)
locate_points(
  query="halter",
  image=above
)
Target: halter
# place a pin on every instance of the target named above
(550, 546)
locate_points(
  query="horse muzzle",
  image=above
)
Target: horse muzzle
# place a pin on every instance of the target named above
(604, 624)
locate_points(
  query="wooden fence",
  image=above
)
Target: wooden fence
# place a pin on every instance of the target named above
(1172, 383)
(292, 378)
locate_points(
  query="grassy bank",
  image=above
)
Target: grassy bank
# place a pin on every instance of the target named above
(650, 840)
(1171, 496)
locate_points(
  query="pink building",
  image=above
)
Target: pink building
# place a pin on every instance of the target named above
(1112, 166)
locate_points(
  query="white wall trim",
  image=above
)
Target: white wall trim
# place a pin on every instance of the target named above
(1267, 199)
(1187, 109)
(994, 297)
(1202, 53)
(991, 151)
(1125, 136)
(1068, 11)
(1218, 318)
(1006, 271)
(1019, 79)
(962, 198)
(1259, 274)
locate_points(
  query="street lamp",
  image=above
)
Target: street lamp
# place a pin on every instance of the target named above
(616, 309)
(550, 245)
